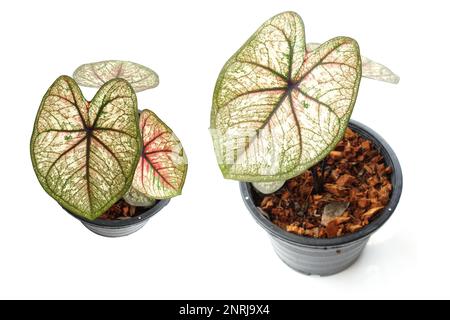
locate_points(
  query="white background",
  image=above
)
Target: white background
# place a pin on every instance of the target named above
(205, 244)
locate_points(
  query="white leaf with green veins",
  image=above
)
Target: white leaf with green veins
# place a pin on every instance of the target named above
(85, 153)
(370, 69)
(97, 73)
(278, 110)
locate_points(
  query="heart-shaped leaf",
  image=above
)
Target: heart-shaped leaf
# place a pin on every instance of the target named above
(96, 74)
(278, 110)
(162, 168)
(370, 69)
(85, 153)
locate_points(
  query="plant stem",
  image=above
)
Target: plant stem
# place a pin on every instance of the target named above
(322, 167)
(318, 181)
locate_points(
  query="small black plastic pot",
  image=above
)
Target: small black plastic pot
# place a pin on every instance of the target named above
(121, 228)
(325, 257)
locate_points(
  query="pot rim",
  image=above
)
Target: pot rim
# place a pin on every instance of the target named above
(397, 184)
(124, 223)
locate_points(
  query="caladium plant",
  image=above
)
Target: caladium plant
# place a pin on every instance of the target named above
(89, 154)
(281, 105)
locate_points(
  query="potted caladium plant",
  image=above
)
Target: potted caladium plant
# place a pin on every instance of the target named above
(108, 164)
(317, 183)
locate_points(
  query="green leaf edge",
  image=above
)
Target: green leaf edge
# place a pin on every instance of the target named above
(286, 176)
(230, 60)
(129, 180)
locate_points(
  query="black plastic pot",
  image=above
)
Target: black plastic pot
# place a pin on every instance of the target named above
(121, 228)
(329, 256)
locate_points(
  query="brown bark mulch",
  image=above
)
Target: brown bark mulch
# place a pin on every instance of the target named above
(356, 187)
(122, 211)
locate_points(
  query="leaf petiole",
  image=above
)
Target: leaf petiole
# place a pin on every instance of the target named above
(318, 180)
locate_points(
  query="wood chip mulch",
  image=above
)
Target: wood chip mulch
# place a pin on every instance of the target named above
(122, 211)
(356, 187)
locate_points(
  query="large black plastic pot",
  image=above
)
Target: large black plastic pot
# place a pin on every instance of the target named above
(121, 228)
(329, 256)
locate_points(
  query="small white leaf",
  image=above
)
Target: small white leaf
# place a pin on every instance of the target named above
(376, 71)
(97, 73)
(268, 187)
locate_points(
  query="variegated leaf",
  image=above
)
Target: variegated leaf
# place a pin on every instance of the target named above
(162, 168)
(370, 69)
(96, 74)
(376, 71)
(278, 110)
(85, 153)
